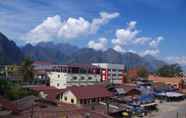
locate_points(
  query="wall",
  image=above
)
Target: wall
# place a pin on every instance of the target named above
(69, 95)
(62, 80)
(112, 72)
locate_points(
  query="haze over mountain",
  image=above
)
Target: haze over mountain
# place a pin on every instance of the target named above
(184, 69)
(66, 53)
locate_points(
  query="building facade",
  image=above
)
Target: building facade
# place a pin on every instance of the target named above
(40, 70)
(114, 73)
(176, 82)
(62, 76)
(84, 95)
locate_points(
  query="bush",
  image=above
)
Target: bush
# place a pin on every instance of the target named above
(12, 91)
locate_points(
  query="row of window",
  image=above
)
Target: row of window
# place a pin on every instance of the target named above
(85, 101)
(75, 78)
(82, 78)
(114, 70)
(72, 100)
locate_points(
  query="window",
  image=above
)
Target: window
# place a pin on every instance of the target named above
(72, 100)
(89, 78)
(121, 70)
(74, 78)
(82, 78)
(57, 84)
(65, 98)
(58, 76)
(113, 70)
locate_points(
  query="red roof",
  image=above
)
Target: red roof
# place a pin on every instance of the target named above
(51, 92)
(5, 103)
(39, 88)
(92, 91)
(77, 65)
(127, 87)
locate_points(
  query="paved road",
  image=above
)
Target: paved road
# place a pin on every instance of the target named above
(170, 110)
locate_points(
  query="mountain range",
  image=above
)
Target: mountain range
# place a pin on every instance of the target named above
(10, 53)
(64, 53)
(184, 69)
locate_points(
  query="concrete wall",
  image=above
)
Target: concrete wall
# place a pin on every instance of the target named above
(68, 96)
(62, 80)
(114, 72)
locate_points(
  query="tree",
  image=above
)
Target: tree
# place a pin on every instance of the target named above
(27, 69)
(172, 70)
(12, 91)
(143, 72)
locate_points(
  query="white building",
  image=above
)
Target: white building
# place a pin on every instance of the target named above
(63, 76)
(112, 72)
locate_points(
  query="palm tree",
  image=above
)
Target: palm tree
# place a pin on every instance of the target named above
(27, 69)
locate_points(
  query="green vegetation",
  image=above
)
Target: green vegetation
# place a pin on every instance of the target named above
(172, 70)
(143, 72)
(27, 68)
(12, 90)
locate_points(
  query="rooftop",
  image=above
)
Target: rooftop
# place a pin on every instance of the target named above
(7, 104)
(92, 91)
(165, 79)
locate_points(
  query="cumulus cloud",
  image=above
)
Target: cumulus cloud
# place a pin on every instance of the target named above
(104, 18)
(119, 48)
(73, 28)
(101, 44)
(46, 31)
(53, 28)
(177, 59)
(156, 42)
(153, 52)
(141, 40)
(129, 37)
(132, 25)
(124, 36)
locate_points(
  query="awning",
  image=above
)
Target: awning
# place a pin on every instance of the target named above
(170, 94)
(149, 104)
(174, 94)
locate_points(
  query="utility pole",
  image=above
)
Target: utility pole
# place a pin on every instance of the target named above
(32, 111)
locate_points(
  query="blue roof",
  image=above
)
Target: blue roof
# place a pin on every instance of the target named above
(146, 98)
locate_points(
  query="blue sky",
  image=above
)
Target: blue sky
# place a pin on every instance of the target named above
(156, 27)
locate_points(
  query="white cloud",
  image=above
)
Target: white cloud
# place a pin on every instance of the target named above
(132, 51)
(53, 28)
(73, 28)
(124, 36)
(46, 31)
(101, 44)
(119, 48)
(128, 36)
(177, 59)
(132, 25)
(141, 40)
(104, 18)
(153, 52)
(156, 42)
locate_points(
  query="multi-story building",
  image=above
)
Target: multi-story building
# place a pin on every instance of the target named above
(114, 73)
(40, 71)
(85, 95)
(2, 72)
(14, 72)
(62, 76)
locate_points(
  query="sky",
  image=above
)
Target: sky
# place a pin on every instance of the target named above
(145, 27)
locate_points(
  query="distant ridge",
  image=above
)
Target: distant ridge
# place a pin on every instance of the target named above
(10, 53)
(64, 53)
